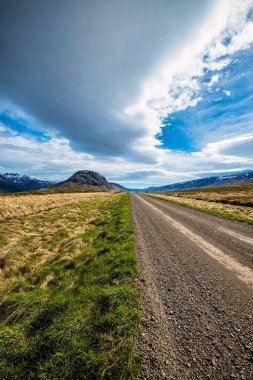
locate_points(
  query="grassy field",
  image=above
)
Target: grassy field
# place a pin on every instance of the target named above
(18, 205)
(69, 300)
(233, 202)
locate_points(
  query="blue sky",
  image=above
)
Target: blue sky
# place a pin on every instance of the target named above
(16, 125)
(226, 108)
(146, 94)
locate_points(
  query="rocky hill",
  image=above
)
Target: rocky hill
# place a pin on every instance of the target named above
(84, 180)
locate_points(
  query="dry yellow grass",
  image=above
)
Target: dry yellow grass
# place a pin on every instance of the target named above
(15, 206)
(230, 211)
(212, 196)
(240, 194)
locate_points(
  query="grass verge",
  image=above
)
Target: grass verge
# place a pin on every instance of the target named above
(70, 309)
(234, 212)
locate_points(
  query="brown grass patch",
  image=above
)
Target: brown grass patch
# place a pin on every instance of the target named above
(16, 206)
(239, 195)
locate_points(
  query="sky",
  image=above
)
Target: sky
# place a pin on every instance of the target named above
(146, 92)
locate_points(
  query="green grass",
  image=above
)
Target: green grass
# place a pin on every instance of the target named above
(238, 213)
(74, 315)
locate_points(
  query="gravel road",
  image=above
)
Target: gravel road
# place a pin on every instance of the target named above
(197, 285)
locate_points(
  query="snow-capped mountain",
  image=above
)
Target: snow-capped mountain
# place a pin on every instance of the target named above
(13, 182)
(203, 182)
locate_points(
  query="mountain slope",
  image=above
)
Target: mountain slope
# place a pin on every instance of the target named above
(13, 182)
(203, 182)
(84, 180)
(122, 188)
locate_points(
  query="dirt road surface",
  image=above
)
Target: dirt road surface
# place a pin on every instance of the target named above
(197, 287)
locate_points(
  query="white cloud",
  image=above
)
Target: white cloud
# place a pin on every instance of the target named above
(227, 92)
(239, 148)
(57, 160)
(214, 79)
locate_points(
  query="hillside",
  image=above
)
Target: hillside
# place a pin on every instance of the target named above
(203, 182)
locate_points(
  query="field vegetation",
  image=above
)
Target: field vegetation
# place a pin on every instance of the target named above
(233, 201)
(68, 294)
(18, 205)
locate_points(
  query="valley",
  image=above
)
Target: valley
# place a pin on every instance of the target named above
(111, 285)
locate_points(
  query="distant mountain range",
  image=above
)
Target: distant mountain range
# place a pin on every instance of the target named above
(202, 182)
(13, 182)
(87, 180)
